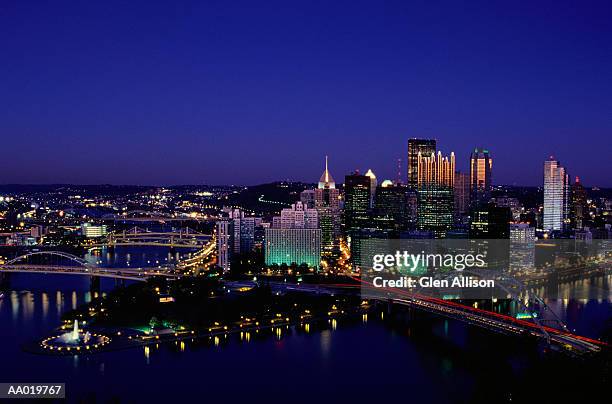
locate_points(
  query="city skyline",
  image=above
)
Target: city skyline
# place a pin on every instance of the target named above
(195, 93)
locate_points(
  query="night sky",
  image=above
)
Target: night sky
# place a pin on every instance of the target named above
(233, 92)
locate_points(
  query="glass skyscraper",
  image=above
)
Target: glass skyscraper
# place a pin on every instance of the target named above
(556, 195)
(481, 165)
(435, 183)
(415, 146)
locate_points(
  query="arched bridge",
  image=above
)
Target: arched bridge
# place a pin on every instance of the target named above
(59, 262)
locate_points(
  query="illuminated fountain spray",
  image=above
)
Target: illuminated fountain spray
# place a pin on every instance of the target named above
(75, 331)
(75, 340)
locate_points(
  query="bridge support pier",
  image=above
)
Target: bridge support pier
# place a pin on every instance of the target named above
(4, 281)
(119, 283)
(94, 285)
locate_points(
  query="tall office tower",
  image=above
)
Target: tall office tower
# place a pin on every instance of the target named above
(579, 207)
(307, 197)
(373, 185)
(556, 195)
(462, 195)
(293, 246)
(243, 227)
(480, 176)
(390, 203)
(298, 217)
(411, 209)
(327, 204)
(522, 248)
(435, 183)
(356, 200)
(415, 146)
(225, 244)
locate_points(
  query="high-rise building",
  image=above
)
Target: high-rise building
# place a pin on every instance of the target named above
(298, 216)
(435, 192)
(356, 200)
(481, 165)
(373, 185)
(556, 195)
(391, 204)
(225, 244)
(327, 204)
(243, 239)
(307, 197)
(293, 246)
(462, 195)
(522, 248)
(294, 237)
(579, 207)
(415, 146)
(236, 234)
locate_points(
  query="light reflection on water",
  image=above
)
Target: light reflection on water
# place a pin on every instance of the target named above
(37, 302)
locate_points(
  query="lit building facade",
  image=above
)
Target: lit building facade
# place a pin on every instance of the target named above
(481, 165)
(435, 193)
(225, 245)
(92, 231)
(373, 184)
(236, 234)
(579, 211)
(391, 205)
(356, 200)
(425, 147)
(293, 246)
(294, 238)
(462, 195)
(556, 195)
(327, 204)
(298, 216)
(522, 248)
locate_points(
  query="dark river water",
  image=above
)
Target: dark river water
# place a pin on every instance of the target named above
(362, 360)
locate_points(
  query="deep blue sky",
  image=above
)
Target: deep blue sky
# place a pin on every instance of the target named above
(148, 92)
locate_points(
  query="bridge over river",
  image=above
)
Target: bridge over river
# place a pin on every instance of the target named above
(58, 262)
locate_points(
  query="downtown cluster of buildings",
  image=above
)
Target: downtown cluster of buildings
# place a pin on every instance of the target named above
(436, 201)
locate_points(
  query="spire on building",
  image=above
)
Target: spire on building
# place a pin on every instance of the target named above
(326, 180)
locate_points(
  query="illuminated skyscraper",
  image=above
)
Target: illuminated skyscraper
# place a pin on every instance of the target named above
(298, 216)
(481, 165)
(579, 207)
(326, 200)
(225, 236)
(391, 205)
(327, 204)
(415, 146)
(373, 185)
(294, 237)
(435, 183)
(289, 246)
(356, 200)
(462, 194)
(556, 195)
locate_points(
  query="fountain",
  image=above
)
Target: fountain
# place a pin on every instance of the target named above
(75, 339)
(75, 331)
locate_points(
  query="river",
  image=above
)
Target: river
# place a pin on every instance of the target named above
(373, 359)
